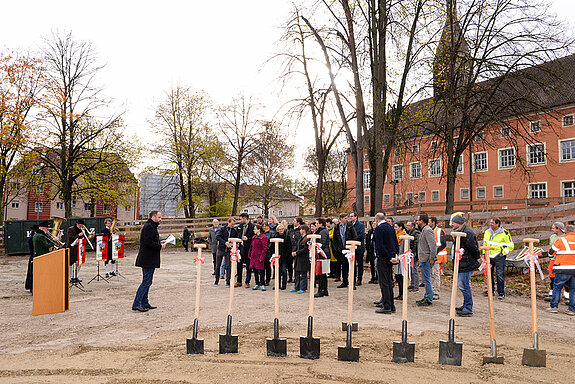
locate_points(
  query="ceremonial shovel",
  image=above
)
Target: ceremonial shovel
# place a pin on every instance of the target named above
(229, 342)
(309, 345)
(276, 346)
(533, 357)
(450, 351)
(349, 353)
(404, 352)
(494, 359)
(195, 345)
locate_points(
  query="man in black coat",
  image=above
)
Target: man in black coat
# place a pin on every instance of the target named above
(468, 263)
(343, 232)
(224, 248)
(386, 251)
(246, 229)
(359, 251)
(148, 259)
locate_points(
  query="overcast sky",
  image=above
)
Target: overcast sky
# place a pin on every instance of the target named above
(148, 46)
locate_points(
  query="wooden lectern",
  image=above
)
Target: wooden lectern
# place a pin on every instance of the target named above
(50, 287)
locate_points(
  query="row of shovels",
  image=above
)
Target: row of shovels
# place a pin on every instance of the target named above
(450, 351)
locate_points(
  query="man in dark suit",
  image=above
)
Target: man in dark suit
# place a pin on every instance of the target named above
(148, 259)
(343, 232)
(224, 248)
(246, 229)
(359, 251)
(386, 251)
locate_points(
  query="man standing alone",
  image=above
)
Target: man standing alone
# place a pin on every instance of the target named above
(148, 259)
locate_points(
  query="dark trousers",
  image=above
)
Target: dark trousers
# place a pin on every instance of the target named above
(223, 257)
(185, 243)
(259, 276)
(301, 280)
(399, 281)
(322, 284)
(283, 275)
(498, 273)
(371, 261)
(268, 271)
(335, 269)
(385, 277)
(215, 259)
(141, 298)
(344, 270)
(358, 266)
(290, 270)
(244, 261)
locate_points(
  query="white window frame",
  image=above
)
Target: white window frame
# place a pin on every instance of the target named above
(484, 189)
(462, 165)
(535, 123)
(527, 150)
(499, 165)
(107, 210)
(39, 206)
(486, 162)
(563, 189)
(572, 120)
(422, 196)
(59, 205)
(438, 195)
(433, 145)
(366, 178)
(411, 170)
(409, 196)
(415, 148)
(461, 193)
(429, 167)
(15, 204)
(366, 199)
(502, 191)
(561, 160)
(398, 166)
(529, 190)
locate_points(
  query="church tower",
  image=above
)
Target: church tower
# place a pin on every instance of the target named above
(452, 59)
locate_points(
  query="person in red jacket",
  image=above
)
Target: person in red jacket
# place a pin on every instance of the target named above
(257, 256)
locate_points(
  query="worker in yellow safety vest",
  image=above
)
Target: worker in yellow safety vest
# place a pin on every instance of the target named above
(441, 243)
(564, 269)
(496, 236)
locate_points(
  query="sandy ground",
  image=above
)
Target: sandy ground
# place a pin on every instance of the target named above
(101, 340)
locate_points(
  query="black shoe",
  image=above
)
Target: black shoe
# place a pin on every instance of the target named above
(358, 282)
(421, 285)
(150, 306)
(319, 294)
(385, 311)
(393, 309)
(464, 313)
(372, 281)
(378, 302)
(485, 293)
(325, 293)
(423, 302)
(380, 305)
(290, 281)
(398, 297)
(140, 309)
(112, 273)
(213, 274)
(342, 285)
(337, 279)
(282, 288)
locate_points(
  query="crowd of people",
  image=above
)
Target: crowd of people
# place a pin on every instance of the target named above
(382, 247)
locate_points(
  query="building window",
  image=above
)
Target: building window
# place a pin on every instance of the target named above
(536, 154)
(279, 213)
(366, 179)
(422, 197)
(59, 205)
(480, 192)
(87, 207)
(480, 137)
(40, 189)
(366, 199)
(567, 120)
(15, 204)
(507, 158)
(498, 191)
(568, 188)
(73, 203)
(398, 172)
(434, 195)
(505, 132)
(464, 193)
(397, 197)
(415, 148)
(365, 157)
(397, 152)
(435, 167)
(415, 170)
(106, 208)
(538, 191)
(480, 162)
(128, 208)
(409, 198)
(386, 198)
(535, 126)
(568, 150)
(39, 206)
(455, 142)
(460, 165)
(433, 145)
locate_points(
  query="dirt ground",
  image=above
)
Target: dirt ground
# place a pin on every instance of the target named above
(101, 340)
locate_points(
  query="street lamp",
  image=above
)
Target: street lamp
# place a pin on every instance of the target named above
(394, 182)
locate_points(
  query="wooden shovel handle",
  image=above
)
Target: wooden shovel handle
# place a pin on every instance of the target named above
(351, 246)
(407, 239)
(198, 280)
(531, 241)
(234, 242)
(486, 250)
(458, 236)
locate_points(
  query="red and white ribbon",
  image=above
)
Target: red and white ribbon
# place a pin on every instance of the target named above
(459, 253)
(407, 259)
(483, 266)
(274, 259)
(535, 258)
(350, 257)
(235, 255)
(200, 259)
(318, 249)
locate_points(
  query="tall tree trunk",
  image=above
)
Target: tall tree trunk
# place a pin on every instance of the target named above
(236, 190)
(319, 189)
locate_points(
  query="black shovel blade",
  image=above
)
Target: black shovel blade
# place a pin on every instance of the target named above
(309, 347)
(354, 326)
(348, 353)
(195, 346)
(534, 357)
(277, 347)
(450, 352)
(403, 352)
(493, 360)
(228, 343)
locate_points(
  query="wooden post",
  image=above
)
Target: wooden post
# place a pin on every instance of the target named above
(277, 242)
(199, 247)
(234, 242)
(406, 239)
(531, 241)
(351, 245)
(486, 250)
(458, 236)
(312, 271)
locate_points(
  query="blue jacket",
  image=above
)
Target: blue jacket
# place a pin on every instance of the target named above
(385, 242)
(360, 232)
